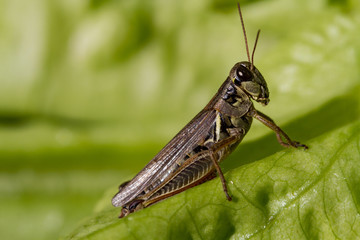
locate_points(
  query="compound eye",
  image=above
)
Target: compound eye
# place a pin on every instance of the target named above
(242, 75)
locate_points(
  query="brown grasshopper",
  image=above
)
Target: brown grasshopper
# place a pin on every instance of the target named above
(192, 157)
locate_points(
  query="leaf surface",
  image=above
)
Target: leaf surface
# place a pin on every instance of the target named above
(291, 194)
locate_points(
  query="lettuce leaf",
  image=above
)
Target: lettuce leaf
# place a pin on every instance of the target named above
(292, 194)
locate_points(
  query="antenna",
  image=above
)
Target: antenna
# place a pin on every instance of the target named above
(246, 42)
(244, 31)
(252, 55)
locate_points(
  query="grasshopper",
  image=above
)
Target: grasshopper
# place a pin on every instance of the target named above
(192, 157)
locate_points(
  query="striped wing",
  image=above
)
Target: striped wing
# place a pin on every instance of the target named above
(160, 167)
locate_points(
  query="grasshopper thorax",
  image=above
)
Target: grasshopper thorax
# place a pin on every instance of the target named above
(247, 78)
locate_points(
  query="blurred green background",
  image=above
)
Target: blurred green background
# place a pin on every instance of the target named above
(91, 90)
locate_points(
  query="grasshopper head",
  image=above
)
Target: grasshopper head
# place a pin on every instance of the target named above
(247, 78)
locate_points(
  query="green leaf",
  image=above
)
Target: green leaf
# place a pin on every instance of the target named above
(293, 194)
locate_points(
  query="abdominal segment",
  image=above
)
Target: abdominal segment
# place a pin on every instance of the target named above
(197, 172)
(194, 174)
